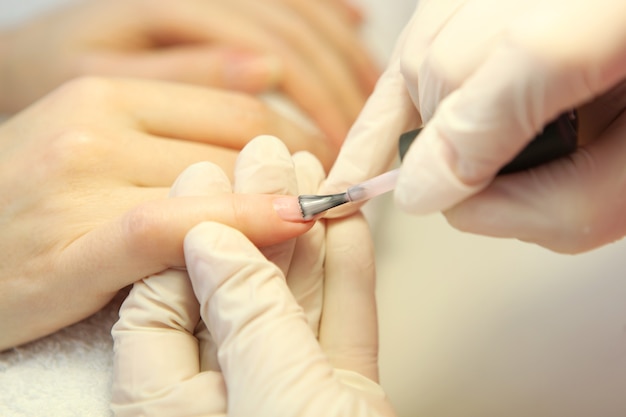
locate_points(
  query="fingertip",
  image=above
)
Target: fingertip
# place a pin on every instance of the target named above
(264, 224)
(264, 166)
(309, 172)
(288, 209)
(153, 233)
(202, 178)
(352, 11)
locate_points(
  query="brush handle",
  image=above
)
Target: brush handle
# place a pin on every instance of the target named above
(558, 138)
(373, 187)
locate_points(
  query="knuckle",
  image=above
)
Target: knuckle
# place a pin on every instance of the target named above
(254, 115)
(438, 64)
(432, 78)
(577, 229)
(240, 210)
(141, 227)
(545, 56)
(72, 149)
(82, 91)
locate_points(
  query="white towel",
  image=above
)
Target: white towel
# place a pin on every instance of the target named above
(63, 375)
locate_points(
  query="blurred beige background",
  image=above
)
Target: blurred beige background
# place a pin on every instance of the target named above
(480, 327)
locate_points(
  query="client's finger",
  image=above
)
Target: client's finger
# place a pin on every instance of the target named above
(148, 238)
(216, 22)
(216, 66)
(352, 12)
(313, 49)
(329, 20)
(203, 115)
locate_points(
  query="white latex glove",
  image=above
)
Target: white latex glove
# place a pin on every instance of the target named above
(272, 363)
(161, 368)
(486, 76)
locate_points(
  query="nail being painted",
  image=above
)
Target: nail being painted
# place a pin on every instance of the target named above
(312, 205)
(288, 208)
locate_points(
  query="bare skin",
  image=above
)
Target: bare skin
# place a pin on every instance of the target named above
(84, 175)
(310, 51)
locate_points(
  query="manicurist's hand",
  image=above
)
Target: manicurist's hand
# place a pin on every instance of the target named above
(286, 332)
(309, 50)
(84, 176)
(485, 77)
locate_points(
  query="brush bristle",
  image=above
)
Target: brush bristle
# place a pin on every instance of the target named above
(312, 205)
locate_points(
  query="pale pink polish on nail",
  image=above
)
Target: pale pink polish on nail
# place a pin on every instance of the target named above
(288, 208)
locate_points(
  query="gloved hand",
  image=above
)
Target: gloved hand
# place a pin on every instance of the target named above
(485, 76)
(291, 330)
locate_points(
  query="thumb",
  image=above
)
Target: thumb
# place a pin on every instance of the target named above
(372, 143)
(556, 206)
(550, 62)
(221, 67)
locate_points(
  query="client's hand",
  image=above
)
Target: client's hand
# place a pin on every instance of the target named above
(83, 177)
(267, 351)
(310, 50)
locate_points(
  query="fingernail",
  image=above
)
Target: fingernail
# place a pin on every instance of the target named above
(288, 209)
(265, 71)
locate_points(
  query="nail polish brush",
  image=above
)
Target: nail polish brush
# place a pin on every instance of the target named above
(557, 139)
(312, 205)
